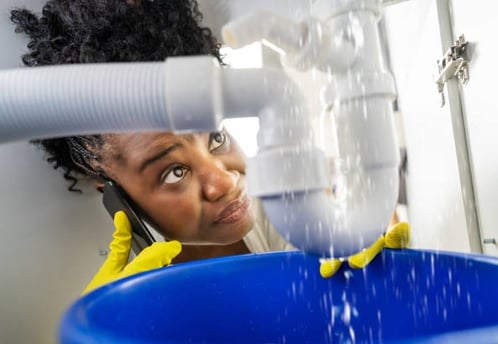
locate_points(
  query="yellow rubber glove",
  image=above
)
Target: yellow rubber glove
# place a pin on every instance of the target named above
(116, 266)
(397, 237)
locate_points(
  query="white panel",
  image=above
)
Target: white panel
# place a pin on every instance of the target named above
(477, 21)
(50, 237)
(435, 207)
(50, 244)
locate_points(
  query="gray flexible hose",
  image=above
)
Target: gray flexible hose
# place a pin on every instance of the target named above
(82, 99)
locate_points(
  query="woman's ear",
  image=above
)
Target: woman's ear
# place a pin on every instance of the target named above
(99, 186)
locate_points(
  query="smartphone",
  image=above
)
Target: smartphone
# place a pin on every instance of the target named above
(115, 199)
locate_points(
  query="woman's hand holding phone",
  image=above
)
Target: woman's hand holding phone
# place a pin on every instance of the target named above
(116, 266)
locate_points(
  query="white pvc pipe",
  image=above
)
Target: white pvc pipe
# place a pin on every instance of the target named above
(364, 28)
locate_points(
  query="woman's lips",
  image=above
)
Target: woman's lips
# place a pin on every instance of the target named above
(234, 211)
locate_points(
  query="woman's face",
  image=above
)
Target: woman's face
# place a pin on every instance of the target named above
(192, 187)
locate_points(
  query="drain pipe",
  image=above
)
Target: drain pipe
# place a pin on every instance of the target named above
(352, 210)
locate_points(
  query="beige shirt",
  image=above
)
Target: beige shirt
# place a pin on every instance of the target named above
(263, 237)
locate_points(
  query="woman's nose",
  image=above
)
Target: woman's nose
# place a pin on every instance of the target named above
(218, 181)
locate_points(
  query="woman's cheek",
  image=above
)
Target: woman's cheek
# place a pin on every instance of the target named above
(183, 219)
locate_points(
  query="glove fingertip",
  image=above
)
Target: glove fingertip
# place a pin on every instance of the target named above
(398, 236)
(329, 267)
(175, 247)
(121, 220)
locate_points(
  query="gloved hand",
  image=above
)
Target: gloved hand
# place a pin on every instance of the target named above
(397, 237)
(116, 266)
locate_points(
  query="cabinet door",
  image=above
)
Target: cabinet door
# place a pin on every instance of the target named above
(477, 21)
(435, 206)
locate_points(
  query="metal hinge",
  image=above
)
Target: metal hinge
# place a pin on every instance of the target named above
(489, 241)
(455, 62)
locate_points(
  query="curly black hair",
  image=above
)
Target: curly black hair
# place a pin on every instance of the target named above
(93, 31)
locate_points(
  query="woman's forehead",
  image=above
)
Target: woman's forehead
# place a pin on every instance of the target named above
(141, 140)
(132, 145)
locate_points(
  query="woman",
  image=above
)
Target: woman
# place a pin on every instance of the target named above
(191, 188)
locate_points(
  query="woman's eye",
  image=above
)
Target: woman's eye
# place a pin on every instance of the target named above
(216, 140)
(175, 175)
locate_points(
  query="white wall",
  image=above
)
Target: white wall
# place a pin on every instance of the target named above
(50, 237)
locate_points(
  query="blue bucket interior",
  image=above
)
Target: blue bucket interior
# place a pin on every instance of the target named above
(403, 296)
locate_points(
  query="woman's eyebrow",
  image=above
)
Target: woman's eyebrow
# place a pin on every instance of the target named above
(157, 156)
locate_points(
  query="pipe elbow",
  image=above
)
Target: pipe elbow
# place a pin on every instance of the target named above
(272, 96)
(285, 137)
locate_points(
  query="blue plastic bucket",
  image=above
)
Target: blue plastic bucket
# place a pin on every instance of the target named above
(405, 296)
